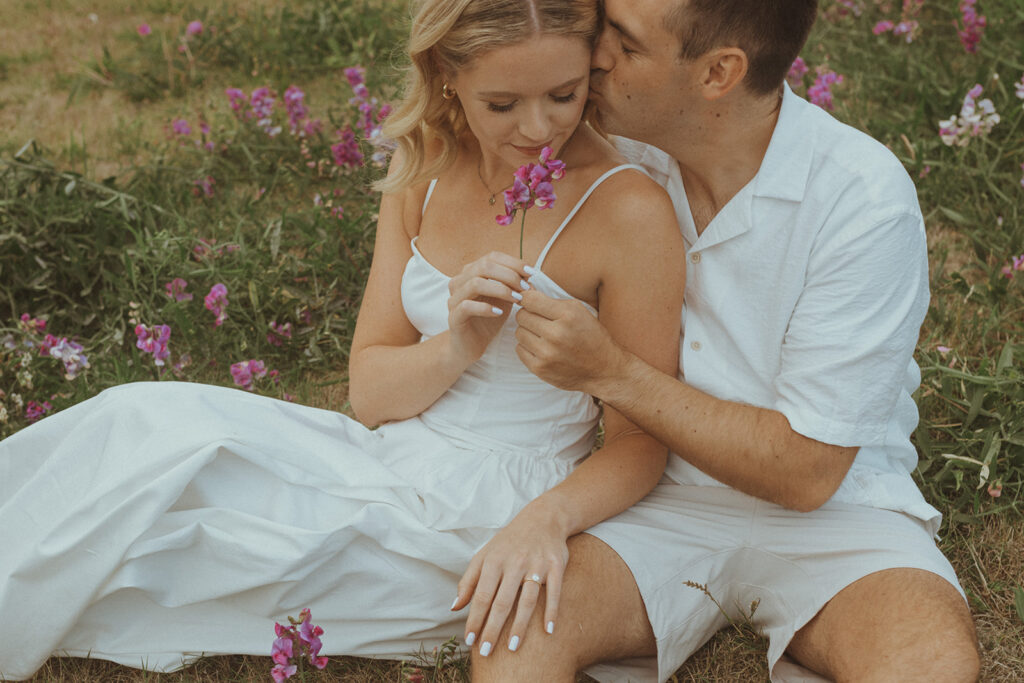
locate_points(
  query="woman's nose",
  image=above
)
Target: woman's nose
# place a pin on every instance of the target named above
(536, 125)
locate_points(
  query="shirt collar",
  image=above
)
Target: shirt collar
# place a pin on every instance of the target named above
(787, 162)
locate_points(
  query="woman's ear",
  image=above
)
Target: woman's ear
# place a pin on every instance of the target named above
(724, 68)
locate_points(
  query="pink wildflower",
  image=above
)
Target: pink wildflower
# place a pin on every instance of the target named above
(995, 489)
(216, 302)
(977, 117)
(346, 153)
(532, 188)
(203, 187)
(69, 353)
(282, 673)
(237, 98)
(882, 27)
(821, 92)
(176, 290)
(154, 340)
(181, 127)
(246, 372)
(943, 349)
(35, 411)
(194, 28)
(356, 75)
(906, 28)
(1016, 264)
(297, 112)
(262, 103)
(279, 333)
(31, 325)
(144, 30)
(973, 26)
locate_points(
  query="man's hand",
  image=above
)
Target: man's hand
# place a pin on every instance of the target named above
(562, 342)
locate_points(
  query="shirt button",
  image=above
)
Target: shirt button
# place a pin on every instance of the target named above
(695, 258)
(695, 345)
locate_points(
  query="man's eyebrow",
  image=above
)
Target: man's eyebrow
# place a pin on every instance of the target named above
(571, 83)
(625, 32)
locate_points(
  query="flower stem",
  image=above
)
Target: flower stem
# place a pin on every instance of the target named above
(522, 229)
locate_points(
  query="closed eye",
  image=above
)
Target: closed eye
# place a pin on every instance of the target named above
(500, 108)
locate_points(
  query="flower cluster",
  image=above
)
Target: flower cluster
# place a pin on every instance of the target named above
(175, 289)
(278, 333)
(154, 340)
(35, 411)
(907, 26)
(298, 642)
(371, 116)
(67, 352)
(203, 187)
(820, 93)
(216, 302)
(1016, 263)
(977, 117)
(973, 26)
(531, 187)
(246, 372)
(796, 73)
(346, 153)
(31, 325)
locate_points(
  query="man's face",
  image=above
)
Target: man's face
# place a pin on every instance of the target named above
(639, 85)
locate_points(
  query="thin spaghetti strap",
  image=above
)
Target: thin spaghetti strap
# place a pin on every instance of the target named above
(586, 195)
(430, 191)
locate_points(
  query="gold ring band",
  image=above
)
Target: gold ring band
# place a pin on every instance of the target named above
(535, 578)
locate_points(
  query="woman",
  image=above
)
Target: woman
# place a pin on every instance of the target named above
(157, 522)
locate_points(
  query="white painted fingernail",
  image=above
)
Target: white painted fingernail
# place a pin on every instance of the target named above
(496, 310)
(514, 643)
(517, 296)
(485, 649)
(470, 639)
(524, 285)
(530, 270)
(550, 628)
(454, 602)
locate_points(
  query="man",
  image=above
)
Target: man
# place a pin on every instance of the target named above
(789, 494)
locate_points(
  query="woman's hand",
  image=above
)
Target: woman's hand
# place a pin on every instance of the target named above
(530, 551)
(481, 296)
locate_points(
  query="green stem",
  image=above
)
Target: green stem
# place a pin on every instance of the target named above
(522, 229)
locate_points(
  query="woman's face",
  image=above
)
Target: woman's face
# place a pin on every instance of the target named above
(523, 97)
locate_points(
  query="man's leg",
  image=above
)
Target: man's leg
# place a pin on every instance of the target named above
(893, 625)
(600, 616)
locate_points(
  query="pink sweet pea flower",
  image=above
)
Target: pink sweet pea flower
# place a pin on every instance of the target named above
(176, 290)
(144, 30)
(882, 27)
(282, 673)
(194, 28)
(282, 650)
(216, 301)
(995, 489)
(531, 188)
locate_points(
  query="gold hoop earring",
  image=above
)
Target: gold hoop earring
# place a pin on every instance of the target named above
(447, 93)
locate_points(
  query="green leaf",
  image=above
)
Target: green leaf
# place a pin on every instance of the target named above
(1005, 359)
(1018, 601)
(977, 398)
(955, 216)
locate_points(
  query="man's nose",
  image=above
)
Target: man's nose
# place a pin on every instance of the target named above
(601, 58)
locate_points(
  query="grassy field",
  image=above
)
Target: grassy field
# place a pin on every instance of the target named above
(123, 166)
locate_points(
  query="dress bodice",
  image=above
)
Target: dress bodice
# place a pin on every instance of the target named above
(497, 403)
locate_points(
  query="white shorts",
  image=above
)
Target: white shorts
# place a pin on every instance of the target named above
(745, 550)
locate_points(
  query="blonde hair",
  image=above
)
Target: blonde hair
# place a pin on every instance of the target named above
(447, 35)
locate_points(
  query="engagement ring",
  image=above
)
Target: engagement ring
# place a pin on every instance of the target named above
(535, 578)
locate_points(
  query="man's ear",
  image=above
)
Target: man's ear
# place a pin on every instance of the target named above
(725, 67)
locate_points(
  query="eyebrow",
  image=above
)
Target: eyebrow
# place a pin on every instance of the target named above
(624, 31)
(571, 83)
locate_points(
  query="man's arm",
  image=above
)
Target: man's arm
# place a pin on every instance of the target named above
(752, 449)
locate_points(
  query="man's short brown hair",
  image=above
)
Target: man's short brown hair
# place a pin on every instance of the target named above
(770, 32)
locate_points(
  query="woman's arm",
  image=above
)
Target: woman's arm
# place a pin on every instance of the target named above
(640, 299)
(392, 376)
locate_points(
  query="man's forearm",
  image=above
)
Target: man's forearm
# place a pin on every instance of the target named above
(751, 449)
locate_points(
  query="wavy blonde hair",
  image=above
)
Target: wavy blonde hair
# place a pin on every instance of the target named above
(447, 35)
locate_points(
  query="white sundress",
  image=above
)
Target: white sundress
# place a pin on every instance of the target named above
(161, 521)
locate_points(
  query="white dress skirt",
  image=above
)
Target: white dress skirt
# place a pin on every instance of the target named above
(159, 522)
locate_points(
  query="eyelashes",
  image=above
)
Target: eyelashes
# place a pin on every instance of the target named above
(558, 99)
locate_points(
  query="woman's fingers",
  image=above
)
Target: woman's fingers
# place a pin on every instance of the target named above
(528, 596)
(500, 609)
(483, 595)
(553, 594)
(481, 288)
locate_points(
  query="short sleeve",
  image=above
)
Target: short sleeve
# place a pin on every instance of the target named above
(853, 331)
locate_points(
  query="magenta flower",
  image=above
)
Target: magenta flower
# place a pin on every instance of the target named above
(246, 372)
(36, 411)
(31, 325)
(176, 290)
(279, 333)
(356, 75)
(1016, 264)
(194, 28)
(906, 28)
(303, 643)
(281, 673)
(297, 112)
(977, 117)
(882, 27)
(346, 153)
(181, 127)
(820, 93)
(144, 30)
(237, 98)
(796, 72)
(262, 103)
(995, 489)
(973, 26)
(154, 340)
(203, 187)
(531, 188)
(216, 301)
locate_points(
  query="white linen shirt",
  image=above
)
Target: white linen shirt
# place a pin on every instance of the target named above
(806, 294)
